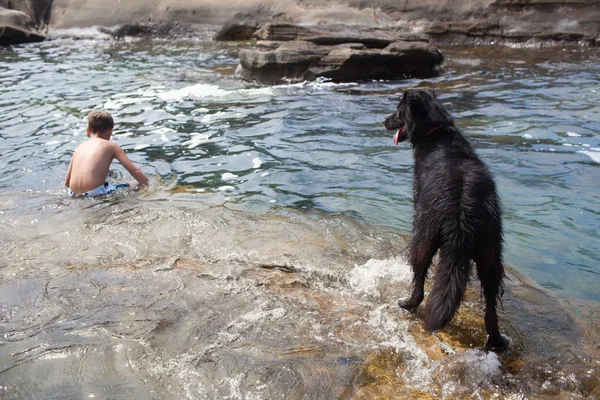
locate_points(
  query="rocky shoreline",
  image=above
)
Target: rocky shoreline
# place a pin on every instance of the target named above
(345, 40)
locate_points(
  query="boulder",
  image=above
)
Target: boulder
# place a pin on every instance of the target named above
(17, 27)
(274, 62)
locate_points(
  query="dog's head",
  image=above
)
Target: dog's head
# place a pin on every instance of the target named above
(419, 111)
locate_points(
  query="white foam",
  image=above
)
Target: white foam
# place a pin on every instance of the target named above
(228, 176)
(474, 62)
(198, 90)
(210, 118)
(573, 134)
(594, 155)
(226, 188)
(80, 33)
(528, 136)
(256, 163)
(393, 333)
(483, 366)
(203, 90)
(196, 139)
(367, 278)
(118, 103)
(141, 146)
(319, 84)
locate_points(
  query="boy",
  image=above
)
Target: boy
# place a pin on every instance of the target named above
(90, 165)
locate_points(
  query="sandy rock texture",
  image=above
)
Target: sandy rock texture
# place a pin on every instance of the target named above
(543, 22)
(446, 22)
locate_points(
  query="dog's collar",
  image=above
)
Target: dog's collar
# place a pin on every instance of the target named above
(434, 129)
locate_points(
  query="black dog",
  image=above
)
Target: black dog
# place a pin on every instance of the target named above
(457, 211)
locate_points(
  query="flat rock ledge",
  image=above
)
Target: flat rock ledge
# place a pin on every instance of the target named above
(287, 53)
(17, 27)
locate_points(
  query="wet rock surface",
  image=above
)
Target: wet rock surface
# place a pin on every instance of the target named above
(283, 305)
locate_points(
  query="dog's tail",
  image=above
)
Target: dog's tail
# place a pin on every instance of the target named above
(451, 280)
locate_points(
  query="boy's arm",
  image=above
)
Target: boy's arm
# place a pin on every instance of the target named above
(129, 166)
(68, 177)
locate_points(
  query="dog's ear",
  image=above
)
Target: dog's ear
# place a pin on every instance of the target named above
(417, 104)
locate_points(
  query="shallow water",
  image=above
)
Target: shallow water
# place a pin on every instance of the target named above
(266, 258)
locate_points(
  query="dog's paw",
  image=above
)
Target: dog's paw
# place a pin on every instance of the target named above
(497, 344)
(409, 304)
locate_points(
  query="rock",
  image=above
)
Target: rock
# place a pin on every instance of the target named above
(17, 27)
(544, 22)
(288, 63)
(133, 30)
(330, 35)
(236, 32)
(300, 60)
(87, 13)
(38, 10)
(461, 22)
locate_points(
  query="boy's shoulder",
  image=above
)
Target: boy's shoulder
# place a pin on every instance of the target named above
(104, 144)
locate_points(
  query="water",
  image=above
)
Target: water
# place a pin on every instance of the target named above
(266, 257)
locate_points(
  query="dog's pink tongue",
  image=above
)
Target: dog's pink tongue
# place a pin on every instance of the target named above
(397, 136)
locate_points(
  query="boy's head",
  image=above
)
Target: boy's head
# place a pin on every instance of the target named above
(100, 123)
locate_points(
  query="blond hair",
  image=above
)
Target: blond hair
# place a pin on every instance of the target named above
(100, 121)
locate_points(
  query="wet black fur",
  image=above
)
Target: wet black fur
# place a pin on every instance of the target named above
(456, 210)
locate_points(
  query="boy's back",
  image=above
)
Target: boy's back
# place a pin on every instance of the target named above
(90, 164)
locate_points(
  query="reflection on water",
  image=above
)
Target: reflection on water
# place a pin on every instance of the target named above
(266, 259)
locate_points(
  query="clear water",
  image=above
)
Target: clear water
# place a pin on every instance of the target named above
(531, 114)
(302, 178)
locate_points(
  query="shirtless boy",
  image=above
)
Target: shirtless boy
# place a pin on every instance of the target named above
(90, 165)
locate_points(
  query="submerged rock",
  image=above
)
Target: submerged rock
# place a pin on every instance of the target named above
(289, 53)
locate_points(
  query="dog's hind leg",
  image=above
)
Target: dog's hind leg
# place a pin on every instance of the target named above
(422, 249)
(491, 273)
